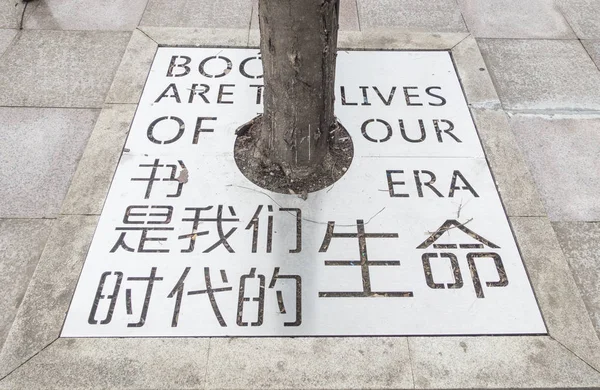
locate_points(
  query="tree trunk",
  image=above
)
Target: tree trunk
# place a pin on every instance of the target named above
(298, 42)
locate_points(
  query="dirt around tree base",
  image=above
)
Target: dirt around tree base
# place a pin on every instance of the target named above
(269, 175)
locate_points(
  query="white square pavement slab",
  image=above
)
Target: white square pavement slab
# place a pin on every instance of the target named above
(497, 362)
(39, 154)
(533, 19)
(348, 17)
(309, 363)
(10, 13)
(593, 48)
(42, 311)
(187, 246)
(552, 75)
(563, 150)
(95, 170)
(564, 311)
(114, 364)
(120, 15)
(411, 15)
(6, 37)
(78, 67)
(198, 13)
(580, 241)
(513, 179)
(21, 244)
(583, 16)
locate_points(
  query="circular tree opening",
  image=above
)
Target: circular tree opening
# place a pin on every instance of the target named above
(268, 175)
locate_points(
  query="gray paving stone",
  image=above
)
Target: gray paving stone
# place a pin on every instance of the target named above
(348, 15)
(542, 74)
(564, 311)
(60, 68)
(515, 19)
(333, 363)
(497, 362)
(121, 15)
(43, 309)
(198, 13)
(583, 16)
(474, 77)
(6, 37)
(221, 37)
(21, 244)
(563, 157)
(517, 189)
(115, 364)
(397, 38)
(378, 38)
(10, 13)
(413, 15)
(96, 169)
(130, 78)
(39, 154)
(580, 241)
(593, 48)
(348, 39)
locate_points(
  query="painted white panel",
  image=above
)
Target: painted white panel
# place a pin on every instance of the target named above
(418, 241)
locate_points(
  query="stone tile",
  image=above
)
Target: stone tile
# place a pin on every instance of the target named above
(561, 304)
(583, 16)
(593, 48)
(21, 244)
(517, 189)
(497, 362)
(267, 363)
(221, 37)
(474, 77)
(348, 39)
(43, 310)
(115, 363)
(348, 15)
(198, 13)
(60, 68)
(95, 171)
(542, 74)
(6, 37)
(131, 76)
(396, 38)
(254, 38)
(580, 241)
(121, 15)
(412, 15)
(10, 13)
(515, 19)
(563, 157)
(39, 154)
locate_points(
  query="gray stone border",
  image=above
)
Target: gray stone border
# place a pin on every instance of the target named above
(34, 356)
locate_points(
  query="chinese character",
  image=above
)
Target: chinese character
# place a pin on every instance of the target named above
(165, 214)
(364, 262)
(210, 291)
(181, 180)
(219, 222)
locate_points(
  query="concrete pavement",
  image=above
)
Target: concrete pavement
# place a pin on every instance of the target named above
(540, 123)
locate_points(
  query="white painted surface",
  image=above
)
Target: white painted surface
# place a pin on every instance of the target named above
(362, 194)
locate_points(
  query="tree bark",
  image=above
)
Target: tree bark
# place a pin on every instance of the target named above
(298, 42)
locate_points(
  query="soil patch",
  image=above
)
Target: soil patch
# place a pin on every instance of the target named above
(269, 175)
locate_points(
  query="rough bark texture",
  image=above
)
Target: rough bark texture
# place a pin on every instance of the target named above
(298, 46)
